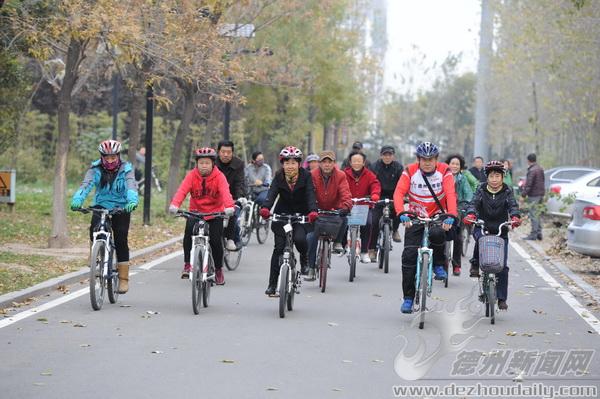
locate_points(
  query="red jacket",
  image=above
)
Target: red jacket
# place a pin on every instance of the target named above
(333, 195)
(366, 184)
(208, 194)
(420, 200)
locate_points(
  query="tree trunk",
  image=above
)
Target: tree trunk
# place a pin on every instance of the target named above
(182, 132)
(486, 36)
(59, 237)
(135, 111)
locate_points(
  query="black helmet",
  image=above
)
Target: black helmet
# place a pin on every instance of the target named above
(494, 166)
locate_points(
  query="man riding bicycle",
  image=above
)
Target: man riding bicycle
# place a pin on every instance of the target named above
(332, 193)
(115, 185)
(388, 172)
(430, 188)
(258, 177)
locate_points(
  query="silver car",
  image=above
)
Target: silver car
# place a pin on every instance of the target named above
(583, 234)
(562, 195)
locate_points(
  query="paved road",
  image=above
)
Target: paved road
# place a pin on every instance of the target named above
(346, 343)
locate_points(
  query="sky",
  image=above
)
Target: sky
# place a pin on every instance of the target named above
(431, 29)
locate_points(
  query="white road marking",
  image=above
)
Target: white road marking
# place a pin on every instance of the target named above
(585, 314)
(74, 295)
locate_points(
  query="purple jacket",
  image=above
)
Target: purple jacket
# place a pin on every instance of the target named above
(534, 182)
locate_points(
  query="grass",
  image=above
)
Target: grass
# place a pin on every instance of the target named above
(31, 224)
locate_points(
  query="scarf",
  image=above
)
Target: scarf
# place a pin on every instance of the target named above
(291, 179)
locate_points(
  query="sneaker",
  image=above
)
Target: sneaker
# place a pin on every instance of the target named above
(396, 236)
(230, 245)
(456, 270)
(219, 277)
(474, 272)
(373, 255)
(312, 275)
(440, 273)
(407, 306)
(502, 305)
(271, 291)
(338, 247)
(540, 237)
(365, 258)
(187, 269)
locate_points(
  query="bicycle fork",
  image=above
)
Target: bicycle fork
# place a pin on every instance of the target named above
(421, 252)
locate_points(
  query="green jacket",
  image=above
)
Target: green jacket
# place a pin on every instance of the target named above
(473, 181)
(508, 180)
(464, 192)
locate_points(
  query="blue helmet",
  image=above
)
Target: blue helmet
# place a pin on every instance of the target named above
(427, 150)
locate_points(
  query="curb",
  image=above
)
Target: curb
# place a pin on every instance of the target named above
(581, 283)
(7, 300)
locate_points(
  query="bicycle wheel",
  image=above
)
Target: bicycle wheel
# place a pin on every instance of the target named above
(492, 299)
(113, 282)
(323, 264)
(292, 288)
(353, 254)
(386, 248)
(262, 230)
(209, 281)
(245, 225)
(466, 236)
(197, 285)
(423, 288)
(97, 282)
(232, 258)
(283, 288)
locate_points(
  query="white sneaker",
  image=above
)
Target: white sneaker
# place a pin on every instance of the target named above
(365, 258)
(230, 245)
(338, 247)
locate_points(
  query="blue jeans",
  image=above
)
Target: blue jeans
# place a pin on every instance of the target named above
(502, 285)
(261, 197)
(232, 232)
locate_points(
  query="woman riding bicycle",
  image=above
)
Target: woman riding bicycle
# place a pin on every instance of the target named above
(493, 203)
(209, 192)
(292, 188)
(115, 185)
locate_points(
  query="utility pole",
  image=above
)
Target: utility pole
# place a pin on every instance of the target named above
(535, 118)
(148, 163)
(486, 35)
(115, 104)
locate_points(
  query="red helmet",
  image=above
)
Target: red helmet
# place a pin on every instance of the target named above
(205, 152)
(290, 152)
(109, 147)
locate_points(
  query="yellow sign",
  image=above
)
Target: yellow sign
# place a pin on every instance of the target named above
(7, 186)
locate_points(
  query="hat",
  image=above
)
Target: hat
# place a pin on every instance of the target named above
(387, 148)
(357, 145)
(312, 157)
(327, 154)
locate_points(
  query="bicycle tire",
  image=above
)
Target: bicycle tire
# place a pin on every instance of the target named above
(97, 282)
(232, 258)
(352, 256)
(423, 283)
(206, 288)
(283, 288)
(197, 280)
(262, 231)
(292, 289)
(466, 240)
(113, 282)
(386, 248)
(323, 265)
(492, 299)
(245, 225)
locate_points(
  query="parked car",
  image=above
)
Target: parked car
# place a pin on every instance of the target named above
(560, 174)
(559, 203)
(583, 234)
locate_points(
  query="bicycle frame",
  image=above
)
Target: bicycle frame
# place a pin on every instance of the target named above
(108, 247)
(424, 249)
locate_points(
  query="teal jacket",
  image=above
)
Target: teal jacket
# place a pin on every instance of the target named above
(473, 181)
(464, 192)
(122, 191)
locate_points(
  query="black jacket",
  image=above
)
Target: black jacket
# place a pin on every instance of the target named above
(494, 209)
(534, 182)
(300, 200)
(235, 173)
(479, 174)
(388, 176)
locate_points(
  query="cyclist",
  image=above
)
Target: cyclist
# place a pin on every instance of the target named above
(312, 162)
(291, 191)
(364, 183)
(388, 172)
(494, 203)
(234, 170)
(464, 194)
(258, 177)
(209, 192)
(356, 148)
(416, 181)
(332, 193)
(114, 181)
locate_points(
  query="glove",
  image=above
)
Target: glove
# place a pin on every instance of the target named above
(265, 213)
(404, 219)
(130, 207)
(242, 201)
(76, 203)
(173, 209)
(229, 211)
(516, 221)
(469, 219)
(312, 216)
(449, 221)
(375, 197)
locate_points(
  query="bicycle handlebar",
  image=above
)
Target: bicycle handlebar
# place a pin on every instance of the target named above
(337, 212)
(110, 212)
(437, 218)
(200, 215)
(290, 218)
(365, 199)
(481, 223)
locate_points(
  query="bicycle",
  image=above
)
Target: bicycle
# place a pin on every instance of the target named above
(141, 182)
(103, 266)
(203, 265)
(231, 258)
(491, 247)
(384, 242)
(289, 277)
(250, 221)
(358, 217)
(327, 227)
(424, 275)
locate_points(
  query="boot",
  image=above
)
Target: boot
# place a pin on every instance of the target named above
(123, 268)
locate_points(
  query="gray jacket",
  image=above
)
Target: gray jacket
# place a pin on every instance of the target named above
(262, 173)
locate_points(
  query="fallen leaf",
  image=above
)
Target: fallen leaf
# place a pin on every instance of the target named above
(336, 389)
(511, 333)
(80, 325)
(152, 312)
(377, 361)
(592, 332)
(39, 384)
(527, 334)
(227, 361)
(272, 389)
(46, 373)
(346, 361)
(529, 286)
(377, 295)
(332, 324)
(65, 321)
(85, 345)
(157, 352)
(501, 343)
(125, 306)
(42, 319)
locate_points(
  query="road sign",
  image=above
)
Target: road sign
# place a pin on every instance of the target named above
(8, 180)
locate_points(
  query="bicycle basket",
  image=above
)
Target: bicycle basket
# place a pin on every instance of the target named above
(491, 254)
(328, 226)
(358, 215)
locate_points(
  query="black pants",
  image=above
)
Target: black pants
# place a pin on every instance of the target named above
(413, 238)
(215, 240)
(299, 234)
(458, 244)
(120, 228)
(378, 214)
